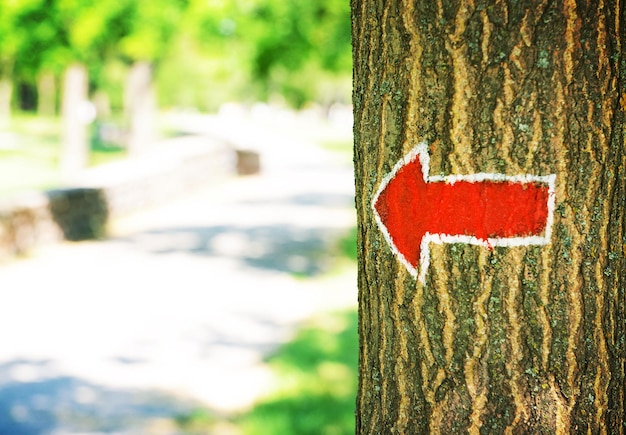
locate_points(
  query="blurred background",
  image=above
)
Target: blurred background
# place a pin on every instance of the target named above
(177, 224)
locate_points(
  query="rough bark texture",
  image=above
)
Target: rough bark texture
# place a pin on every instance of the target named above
(512, 340)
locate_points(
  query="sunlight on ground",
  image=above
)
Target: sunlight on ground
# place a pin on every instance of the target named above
(176, 320)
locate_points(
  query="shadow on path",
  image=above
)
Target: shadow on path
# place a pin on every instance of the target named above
(325, 199)
(283, 248)
(35, 401)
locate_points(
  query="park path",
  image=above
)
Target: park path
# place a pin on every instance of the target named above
(178, 308)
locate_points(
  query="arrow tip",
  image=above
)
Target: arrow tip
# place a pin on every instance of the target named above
(396, 207)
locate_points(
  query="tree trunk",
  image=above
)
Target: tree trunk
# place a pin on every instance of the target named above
(46, 94)
(6, 92)
(75, 117)
(140, 107)
(497, 339)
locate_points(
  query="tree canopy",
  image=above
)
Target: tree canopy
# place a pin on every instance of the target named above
(214, 50)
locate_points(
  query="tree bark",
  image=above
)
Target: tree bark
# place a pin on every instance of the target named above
(516, 340)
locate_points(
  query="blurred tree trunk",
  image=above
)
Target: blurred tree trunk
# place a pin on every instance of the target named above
(102, 103)
(6, 91)
(518, 340)
(140, 107)
(75, 116)
(46, 94)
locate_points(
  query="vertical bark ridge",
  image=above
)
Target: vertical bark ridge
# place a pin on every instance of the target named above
(603, 375)
(538, 131)
(413, 68)
(485, 42)
(544, 285)
(427, 361)
(448, 322)
(461, 132)
(502, 119)
(389, 319)
(476, 379)
(572, 307)
(402, 374)
(615, 310)
(514, 366)
(572, 30)
(363, 53)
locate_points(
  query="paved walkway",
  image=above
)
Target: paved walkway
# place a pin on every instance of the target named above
(180, 306)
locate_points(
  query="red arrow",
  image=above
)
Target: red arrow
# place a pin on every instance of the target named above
(413, 209)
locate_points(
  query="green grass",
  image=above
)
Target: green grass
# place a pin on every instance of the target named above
(328, 260)
(345, 148)
(347, 245)
(198, 421)
(101, 154)
(29, 154)
(316, 385)
(317, 381)
(316, 377)
(316, 373)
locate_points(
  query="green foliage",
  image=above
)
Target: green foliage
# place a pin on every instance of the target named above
(317, 375)
(50, 34)
(44, 44)
(296, 43)
(101, 153)
(152, 24)
(348, 245)
(86, 23)
(299, 31)
(210, 51)
(12, 34)
(195, 422)
(296, 50)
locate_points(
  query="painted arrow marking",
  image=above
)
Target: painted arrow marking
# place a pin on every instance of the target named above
(413, 209)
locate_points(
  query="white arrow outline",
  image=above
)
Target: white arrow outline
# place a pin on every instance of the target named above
(421, 152)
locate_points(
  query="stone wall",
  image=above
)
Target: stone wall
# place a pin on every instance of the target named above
(82, 210)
